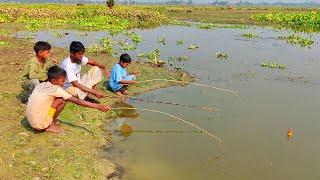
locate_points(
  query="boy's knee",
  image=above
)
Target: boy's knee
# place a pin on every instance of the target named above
(58, 102)
(94, 69)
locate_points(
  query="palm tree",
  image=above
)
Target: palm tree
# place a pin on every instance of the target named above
(110, 3)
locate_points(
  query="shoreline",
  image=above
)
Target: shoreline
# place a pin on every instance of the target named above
(74, 154)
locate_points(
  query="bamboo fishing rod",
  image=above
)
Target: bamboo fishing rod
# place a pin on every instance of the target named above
(163, 131)
(175, 117)
(206, 108)
(197, 84)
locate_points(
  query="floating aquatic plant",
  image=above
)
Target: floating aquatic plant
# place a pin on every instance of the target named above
(249, 35)
(106, 46)
(180, 42)
(221, 55)
(205, 26)
(193, 47)
(182, 58)
(272, 65)
(125, 45)
(162, 40)
(58, 34)
(134, 37)
(154, 58)
(296, 39)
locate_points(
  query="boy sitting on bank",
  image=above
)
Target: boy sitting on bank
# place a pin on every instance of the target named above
(37, 67)
(48, 100)
(83, 86)
(119, 80)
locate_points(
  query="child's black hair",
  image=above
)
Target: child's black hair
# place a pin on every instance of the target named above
(41, 46)
(55, 72)
(125, 58)
(77, 46)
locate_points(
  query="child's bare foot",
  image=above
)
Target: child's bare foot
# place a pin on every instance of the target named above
(56, 121)
(119, 94)
(125, 92)
(53, 128)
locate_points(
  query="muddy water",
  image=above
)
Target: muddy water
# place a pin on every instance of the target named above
(254, 131)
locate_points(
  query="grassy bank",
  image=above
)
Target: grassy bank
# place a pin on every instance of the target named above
(74, 154)
(221, 14)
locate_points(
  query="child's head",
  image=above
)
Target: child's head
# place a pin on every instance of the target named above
(57, 75)
(125, 60)
(76, 51)
(42, 49)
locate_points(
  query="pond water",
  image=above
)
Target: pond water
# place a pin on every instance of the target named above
(254, 131)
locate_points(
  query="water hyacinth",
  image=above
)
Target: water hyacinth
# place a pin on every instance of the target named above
(249, 35)
(272, 65)
(296, 39)
(221, 55)
(310, 21)
(193, 47)
(180, 42)
(162, 40)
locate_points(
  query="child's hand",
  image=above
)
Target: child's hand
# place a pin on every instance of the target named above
(107, 73)
(103, 108)
(100, 94)
(134, 82)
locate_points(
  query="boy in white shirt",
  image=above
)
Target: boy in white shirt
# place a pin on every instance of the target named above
(82, 86)
(48, 100)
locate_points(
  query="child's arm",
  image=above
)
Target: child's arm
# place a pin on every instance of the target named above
(88, 90)
(127, 82)
(80, 102)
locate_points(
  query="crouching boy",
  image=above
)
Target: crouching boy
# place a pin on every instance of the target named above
(37, 67)
(48, 100)
(119, 80)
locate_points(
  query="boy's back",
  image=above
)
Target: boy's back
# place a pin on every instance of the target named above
(40, 102)
(117, 74)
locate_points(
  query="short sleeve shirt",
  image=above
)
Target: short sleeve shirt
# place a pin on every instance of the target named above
(118, 73)
(73, 70)
(40, 102)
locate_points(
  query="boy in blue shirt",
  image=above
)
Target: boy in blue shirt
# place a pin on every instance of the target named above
(119, 80)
